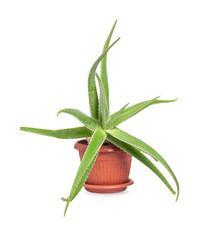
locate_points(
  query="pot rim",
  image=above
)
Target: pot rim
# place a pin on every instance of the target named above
(81, 146)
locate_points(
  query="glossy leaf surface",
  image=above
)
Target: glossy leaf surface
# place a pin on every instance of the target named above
(87, 163)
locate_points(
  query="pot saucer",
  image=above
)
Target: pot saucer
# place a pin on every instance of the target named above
(108, 188)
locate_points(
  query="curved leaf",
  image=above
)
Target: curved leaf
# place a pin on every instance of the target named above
(87, 163)
(93, 98)
(103, 108)
(142, 146)
(133, 110)
(89, 122)
(141, 157)
(103, 75)
(68, 133)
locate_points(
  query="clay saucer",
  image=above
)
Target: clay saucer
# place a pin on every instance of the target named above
(108, 188)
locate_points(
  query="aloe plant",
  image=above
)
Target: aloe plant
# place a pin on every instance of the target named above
(102, 126)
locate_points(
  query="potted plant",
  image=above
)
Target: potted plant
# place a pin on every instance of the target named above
(105, 146)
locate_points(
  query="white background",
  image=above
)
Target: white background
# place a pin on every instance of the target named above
(46, 51)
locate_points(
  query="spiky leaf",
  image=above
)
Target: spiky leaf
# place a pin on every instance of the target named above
(89, 122)
(93, 97)
(133, 110)
(103, 108)
(87, 163)
(69, 133)
(142, 146)
(103, 75)
(141, 157)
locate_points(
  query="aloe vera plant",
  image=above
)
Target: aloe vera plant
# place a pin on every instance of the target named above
(102, 126)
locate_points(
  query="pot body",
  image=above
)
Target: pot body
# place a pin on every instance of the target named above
(112, 165)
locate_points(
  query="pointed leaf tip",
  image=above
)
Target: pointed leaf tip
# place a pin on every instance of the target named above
(66, 207)
(118, 39)
(177, 196)
(87, 163)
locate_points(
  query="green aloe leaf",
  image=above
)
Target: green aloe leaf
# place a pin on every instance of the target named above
(103, 74)
(114, 117)
(103, 108)
(69, 133)
(87, 163)
(141, 157)
(89, 122)
(133, 110)
(93, 97)
(142, 146)
(164, 101)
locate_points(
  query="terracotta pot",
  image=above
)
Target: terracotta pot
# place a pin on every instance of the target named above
(111, 169)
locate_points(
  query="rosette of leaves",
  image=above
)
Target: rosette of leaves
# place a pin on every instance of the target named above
(102, 126)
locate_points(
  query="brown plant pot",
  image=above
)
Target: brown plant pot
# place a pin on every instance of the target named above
(111, 169)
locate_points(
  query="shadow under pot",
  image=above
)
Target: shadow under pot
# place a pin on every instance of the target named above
(110, 173)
